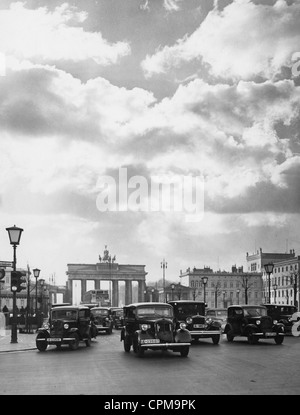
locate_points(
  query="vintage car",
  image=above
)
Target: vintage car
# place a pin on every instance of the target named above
(152, 325)
(218, 314)
(102, 319)
(192, 313)
(253, 322)
(117, 316)
(67, 325)
(282, 313)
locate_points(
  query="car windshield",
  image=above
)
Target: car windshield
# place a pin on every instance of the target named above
(119, 313)
(254, 311)
(156, 311)
(64, 314)
(100, 312)
(190, 309)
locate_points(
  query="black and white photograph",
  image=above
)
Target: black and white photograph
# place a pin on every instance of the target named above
(149, 200)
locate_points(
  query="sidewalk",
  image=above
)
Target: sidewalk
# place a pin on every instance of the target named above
(25, 341)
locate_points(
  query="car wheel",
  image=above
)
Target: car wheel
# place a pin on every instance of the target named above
(279, 339)
(216, 338)
(230, 336)
(41, 345)
(127, 344)
(184, 351)
(251, 338)
(74, 344)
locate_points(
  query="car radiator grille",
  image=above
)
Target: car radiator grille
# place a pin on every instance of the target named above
(198, 320)
(164, 331)
(266, 323)
(57, 328)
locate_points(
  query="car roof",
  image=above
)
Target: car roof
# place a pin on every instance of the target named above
(70, 307)
(185, 302)
(216, 309)
(100, 308)
(246, 305)
(147, 304)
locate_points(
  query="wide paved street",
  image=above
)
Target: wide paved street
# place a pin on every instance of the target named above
(105, 369)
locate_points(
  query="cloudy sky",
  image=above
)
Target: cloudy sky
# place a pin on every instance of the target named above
(159, 88)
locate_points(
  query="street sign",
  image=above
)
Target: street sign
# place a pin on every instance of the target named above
(6, 264)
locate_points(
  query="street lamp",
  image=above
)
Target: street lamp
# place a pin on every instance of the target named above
(269, 269)
(204, 282)
(172, 288)
(164, 265)
(275, 286)
(42, 284)
(238, 296)
(36, 274)
(14, 234)
(145, 292)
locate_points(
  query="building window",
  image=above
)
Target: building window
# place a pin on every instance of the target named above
(275, 270)
(253, 267)
(192, 284)
(225, 284)
(231, 284)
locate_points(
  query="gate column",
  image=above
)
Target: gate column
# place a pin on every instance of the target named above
(128, 292)
(115, 293)
(141, 289)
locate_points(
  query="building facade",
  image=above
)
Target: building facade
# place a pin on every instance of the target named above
(219, 289)
(284, 281)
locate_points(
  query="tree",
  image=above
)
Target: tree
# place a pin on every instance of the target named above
(217, 291)
(247, 285)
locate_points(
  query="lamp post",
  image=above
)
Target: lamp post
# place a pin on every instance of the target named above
(42, 284)
(275, 286)
(36, 274)
(145, 292)
(152, 294)
(164, 265)
(14, 234)
(238, 296)
(269, 269)
(172, 288)
(204, 282)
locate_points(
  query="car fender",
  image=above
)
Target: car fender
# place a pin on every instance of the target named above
(279, 328)
(44, 331)
(182, 336)
(73, 330)
(250, 327)
(227, 328)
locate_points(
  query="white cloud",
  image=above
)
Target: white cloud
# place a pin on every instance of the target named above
(241, 41)
(42, 35)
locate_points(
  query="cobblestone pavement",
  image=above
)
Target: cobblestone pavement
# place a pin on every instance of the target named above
(25, 341)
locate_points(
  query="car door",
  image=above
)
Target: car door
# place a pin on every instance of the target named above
(84, 323)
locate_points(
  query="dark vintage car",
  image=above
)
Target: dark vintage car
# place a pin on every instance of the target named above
(67, 325)
(192, 313)
(218, 314)
(152, 325)
(253, 322)
(117, 316)
(282, 314)
(102, 319)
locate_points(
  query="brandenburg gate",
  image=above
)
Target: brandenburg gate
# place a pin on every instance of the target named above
(108, 270)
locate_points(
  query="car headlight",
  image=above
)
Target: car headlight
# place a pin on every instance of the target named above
(258, 322)
(66, 326)
(46, 326)
(182, 325)
(144, 327)
(189, 320)
(106, 319)
(208, 320)
(275, 322)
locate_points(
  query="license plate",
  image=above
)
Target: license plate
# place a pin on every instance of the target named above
(54, 339)
(199, 326)
(149, 341)
(270, 334)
